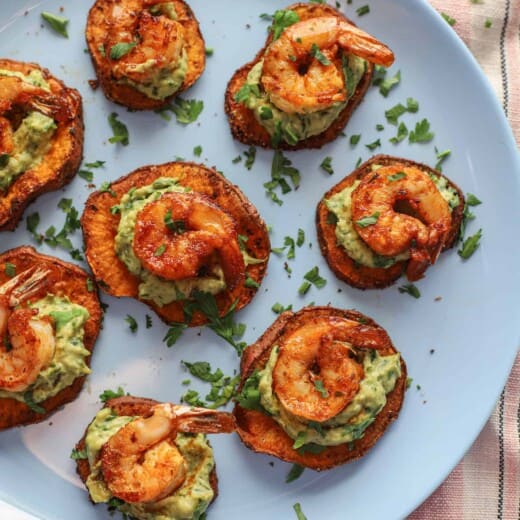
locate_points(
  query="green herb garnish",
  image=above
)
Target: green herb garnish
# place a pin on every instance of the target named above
(119, 130)
(120, 49)
(368, 221)
(326, 165)
(294, 473)
(410, 289)
(58, 23)
(470, 245)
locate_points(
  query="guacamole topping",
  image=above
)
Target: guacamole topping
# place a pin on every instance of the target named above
(68, 362)
(340, 205)
(296, 127)
(381, 374)
(32, 138)
(152, 287)
(187, 502)
(165, 81)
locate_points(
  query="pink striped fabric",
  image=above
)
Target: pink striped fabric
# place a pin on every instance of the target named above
(486, 483)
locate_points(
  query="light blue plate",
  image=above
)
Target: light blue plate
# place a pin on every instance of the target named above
(473, 328)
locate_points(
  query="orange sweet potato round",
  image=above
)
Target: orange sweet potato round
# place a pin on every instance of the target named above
(102, 21)
(65, 279)
(100, 228)
(61, 161)
(259, 432)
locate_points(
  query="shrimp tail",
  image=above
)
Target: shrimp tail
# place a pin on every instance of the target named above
(26, 284)
(201, 420)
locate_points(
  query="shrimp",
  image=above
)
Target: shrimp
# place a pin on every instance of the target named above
(159, 41)
(316, 375)
(296, 82)
(177, 235)
(141, 462)
(28, 343)
(408, 211)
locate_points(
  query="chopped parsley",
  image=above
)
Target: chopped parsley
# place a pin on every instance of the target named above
(186, 110)
(90, 285)
(119, 130)
(245, 91)
(209, 51)
(368, 221)
(402, 133)
(174, 333)
(86, 174)
(318, 383)
(294, 473)
(10, 269)
(278, 308)
(316, 53)
(281, 169)
(132, 323)
(197, 151)
(364, 9)
(396, 176)
(374, 145)
(78, 454)
(301, 237)
(312, 277)
(488, 23)
(58, 23)
(470, 245)
(387, 84)
(451, 21)
(421, 133)
(410, 289)
(160, 250)
(29, 401)
(110, 394)
(250, 155)
(177, 226)
(326, 165)
(441, 157)
(250, 283)
(354, 139)
(282, 19)
(121, 49)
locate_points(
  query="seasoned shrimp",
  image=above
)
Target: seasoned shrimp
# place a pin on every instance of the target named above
(158, 41)
(27, 343)
(297, 81)
(408, 213)
(177, 235)
(316, 376)
(141, 462)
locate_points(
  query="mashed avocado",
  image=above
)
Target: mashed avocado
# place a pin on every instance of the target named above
(187, 502)
(68, 362)
(296, 127)
(340, 205)
(381, 374)
(165, 81)
(152, 287)
(32, 138)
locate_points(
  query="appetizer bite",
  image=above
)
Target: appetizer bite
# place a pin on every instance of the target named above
(151, 460)
(303, 86)
(165, 233)
(319, 387)
(50, 317)
(388, 216)
(144, 51)
(41, 136)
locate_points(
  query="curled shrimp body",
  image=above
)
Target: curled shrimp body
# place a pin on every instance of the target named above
(316, 375)
(27, 343)
(408, 212)
(297, 81)
(160, 42)
(177, 235)
(141, 462)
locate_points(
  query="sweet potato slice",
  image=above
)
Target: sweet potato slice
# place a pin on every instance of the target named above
(61, 161)
(129, 406)
(246, 129)
(65, 280)
(101, 21)
(342, 265)
(259, 432)
(100, 228)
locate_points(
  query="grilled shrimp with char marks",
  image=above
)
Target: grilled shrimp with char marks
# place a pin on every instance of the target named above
(141, 462)
(27, 342)
(316, 375)
(178, 234)
(409, 213)
(296, 81)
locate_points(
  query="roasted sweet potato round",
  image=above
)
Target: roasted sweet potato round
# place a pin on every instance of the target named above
(65, 280)
(61, 160)
(133, 407)
(119, 30)
(100, 227)
(344, 267)
(245, 127)
(261, 433)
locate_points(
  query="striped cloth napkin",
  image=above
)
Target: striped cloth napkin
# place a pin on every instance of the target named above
(486, 483)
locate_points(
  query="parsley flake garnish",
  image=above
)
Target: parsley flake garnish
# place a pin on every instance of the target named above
(278, 308)
(451, 21)
(10, 269)
(326, 165)
(197, 151)
(121, 49)
(396, 176)
(174, 333)
(364, 9)
(119, 130)
(250, 155)
(110, 394)
(186, 110)
(132, 323)
(294, 473)
(58, 23)
(354, 139)
(374, 145)
(318, 383)
(470, 245)
(78, 454)
(29, 401)
(441, 157)
(312, 277)
(422, 133)
(281, 167)
(316, 53)
(299, 513)
(282, 19)
(410, 289)
(368, 221)
(387, 84)
(402, 133)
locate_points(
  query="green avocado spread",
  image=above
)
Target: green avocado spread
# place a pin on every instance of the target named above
(187, 502)
(70, 353)
(32, 138)
(296, 127)
(340, 205)
(380, 376)
(152, 287)
(161, 82)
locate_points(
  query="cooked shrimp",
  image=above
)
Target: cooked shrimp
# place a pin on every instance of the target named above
(158, 40)
(141, 462)
(296, 81)
(16, 93)
(316, 375)
(28, 343)
(409, 213)
(177, 235)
